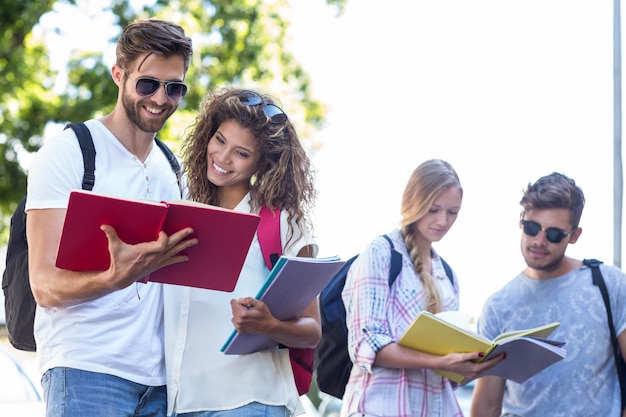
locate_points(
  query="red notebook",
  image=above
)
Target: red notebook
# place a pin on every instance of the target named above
(224, 237)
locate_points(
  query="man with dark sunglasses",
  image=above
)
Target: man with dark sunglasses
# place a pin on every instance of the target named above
(556, 287)
(99, 334)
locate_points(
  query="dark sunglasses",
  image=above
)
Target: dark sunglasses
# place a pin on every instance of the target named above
(147, 86)
(553, 235)
(275, 113)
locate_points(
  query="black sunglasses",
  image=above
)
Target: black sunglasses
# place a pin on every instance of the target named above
(553, 235)
(275, 113)
(147, 86)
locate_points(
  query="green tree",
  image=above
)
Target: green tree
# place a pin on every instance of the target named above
(24, 74)
(235, 42)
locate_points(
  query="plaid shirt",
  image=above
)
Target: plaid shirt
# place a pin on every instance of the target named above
(377, 316)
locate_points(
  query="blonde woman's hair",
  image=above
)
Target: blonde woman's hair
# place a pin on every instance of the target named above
(426, 183)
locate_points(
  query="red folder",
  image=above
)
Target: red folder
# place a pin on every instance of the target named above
(224, 237)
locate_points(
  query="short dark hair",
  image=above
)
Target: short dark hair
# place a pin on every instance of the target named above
(555, 191)
(153, 36)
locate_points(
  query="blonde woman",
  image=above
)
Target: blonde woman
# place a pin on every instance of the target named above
(388, 379)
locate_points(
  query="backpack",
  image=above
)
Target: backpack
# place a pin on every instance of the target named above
(19, 303)
(268, 233)
(598, 280)
(332, 360)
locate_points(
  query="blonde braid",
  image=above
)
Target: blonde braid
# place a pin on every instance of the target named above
(434, 302)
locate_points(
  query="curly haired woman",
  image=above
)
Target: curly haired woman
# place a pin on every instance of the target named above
(242, 154)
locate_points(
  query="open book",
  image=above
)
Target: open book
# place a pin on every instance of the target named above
(527, 351)
(224, 237)
(291, 286)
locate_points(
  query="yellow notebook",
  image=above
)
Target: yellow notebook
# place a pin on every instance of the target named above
(528, 351)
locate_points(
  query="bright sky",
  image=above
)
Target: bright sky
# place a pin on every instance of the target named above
(506, 91)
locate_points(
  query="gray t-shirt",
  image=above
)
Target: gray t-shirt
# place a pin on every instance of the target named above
(585, 383)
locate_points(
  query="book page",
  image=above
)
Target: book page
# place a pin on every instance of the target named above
(525, 356)
(541, 331)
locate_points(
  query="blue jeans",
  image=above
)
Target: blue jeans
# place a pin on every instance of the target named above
(249, 410)
(71, 392)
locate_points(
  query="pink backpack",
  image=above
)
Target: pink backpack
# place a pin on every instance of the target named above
(268, 234)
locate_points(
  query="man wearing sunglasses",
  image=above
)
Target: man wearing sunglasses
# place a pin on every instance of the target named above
(555, 287)
(99, 334)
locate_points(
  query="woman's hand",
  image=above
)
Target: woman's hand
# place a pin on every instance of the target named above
(252, 316)
(468, 364)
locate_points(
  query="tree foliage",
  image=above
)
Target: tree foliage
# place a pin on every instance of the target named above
(24, 69)
(241, 42)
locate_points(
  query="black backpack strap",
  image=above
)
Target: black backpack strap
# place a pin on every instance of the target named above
(598, 280)
(396, 262)
(89, 153)
(170, 156)
(448, 270)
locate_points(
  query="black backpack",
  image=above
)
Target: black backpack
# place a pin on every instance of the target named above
(332, 361)
(19, 303)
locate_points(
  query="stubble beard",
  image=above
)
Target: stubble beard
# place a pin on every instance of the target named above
(133, 111)
(552, 264)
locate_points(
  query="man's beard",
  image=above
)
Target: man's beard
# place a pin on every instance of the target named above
(550, 266)
(133, 109)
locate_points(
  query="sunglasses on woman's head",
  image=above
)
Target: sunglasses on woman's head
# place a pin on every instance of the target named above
(553, 234)
(147, 86)
(275, 113)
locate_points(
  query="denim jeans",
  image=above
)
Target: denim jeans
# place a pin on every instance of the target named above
(249, 410)
(71, 392)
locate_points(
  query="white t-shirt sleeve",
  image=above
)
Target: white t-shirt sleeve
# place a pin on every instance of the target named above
(56, 170)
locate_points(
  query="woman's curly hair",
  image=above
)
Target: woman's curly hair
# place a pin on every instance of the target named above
(284, 178)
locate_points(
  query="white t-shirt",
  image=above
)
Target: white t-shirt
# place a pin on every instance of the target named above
(121, 333)
(198, 322)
